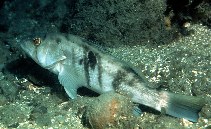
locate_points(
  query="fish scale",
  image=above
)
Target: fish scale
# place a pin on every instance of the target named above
(78, 64)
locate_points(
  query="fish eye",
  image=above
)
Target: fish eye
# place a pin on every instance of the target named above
(37, 41)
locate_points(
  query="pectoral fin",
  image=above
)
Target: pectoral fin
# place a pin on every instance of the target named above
(71, 81)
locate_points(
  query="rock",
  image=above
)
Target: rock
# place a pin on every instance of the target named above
(3, 100)
(109, 110)
(9, 89)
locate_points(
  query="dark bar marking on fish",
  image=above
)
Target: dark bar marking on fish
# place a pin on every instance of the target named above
(81, 61)
(118, 80)
(99, 71)
(132, 82)
(73, 57)
(86, 66)
(92, 60)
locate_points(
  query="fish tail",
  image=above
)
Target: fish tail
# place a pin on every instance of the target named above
(183, 106)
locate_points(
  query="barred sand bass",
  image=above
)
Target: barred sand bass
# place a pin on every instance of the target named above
(78, 64)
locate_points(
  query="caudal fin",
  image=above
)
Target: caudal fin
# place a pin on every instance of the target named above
(183, 106)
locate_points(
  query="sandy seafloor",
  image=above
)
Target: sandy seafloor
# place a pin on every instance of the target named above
(181, 66)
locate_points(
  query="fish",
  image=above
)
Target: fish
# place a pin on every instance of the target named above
(78, 63)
